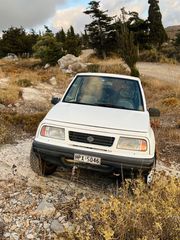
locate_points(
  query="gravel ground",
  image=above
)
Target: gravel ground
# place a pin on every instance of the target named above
(33, 207)
(18, 155)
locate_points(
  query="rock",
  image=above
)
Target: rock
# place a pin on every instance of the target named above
(67, 71)
(45, 209)
(46, 225)
(69, 227)
(53, 81)
(30, 236)
(14, 236)
(7, 235)
(32, 95)
(2, 106)
(57, 227)
(66, 60)
(61, 219)
(47, 66)
(4, 82)
(86, 54)
(17, 105)
(11, 57)
(69, 63)
(77, 67)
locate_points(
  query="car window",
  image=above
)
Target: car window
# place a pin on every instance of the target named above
(105, 92)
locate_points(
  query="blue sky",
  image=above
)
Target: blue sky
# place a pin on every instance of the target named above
(63, 13)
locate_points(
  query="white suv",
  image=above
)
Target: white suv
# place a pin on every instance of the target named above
(101, 123)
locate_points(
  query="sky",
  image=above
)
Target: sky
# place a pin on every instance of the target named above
(57, 14)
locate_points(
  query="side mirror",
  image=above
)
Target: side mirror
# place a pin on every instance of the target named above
(154, 112)
(55, 100)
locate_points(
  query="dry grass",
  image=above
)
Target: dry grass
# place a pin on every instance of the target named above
(10, 95)
(137, 212)
(165, 96)
(25, 73)
(145, 214)
(108, 65)
(13, 124)
(29, 69)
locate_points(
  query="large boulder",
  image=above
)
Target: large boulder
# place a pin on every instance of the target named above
(70, 63)
(32, 95)
(11, 57)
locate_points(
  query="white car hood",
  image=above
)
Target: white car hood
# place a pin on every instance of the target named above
(119, 119)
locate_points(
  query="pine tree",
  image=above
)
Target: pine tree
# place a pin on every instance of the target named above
(100, 29)
(61, 36)
(48, 49)
(157, 32)
(14, 40)
(72, 44)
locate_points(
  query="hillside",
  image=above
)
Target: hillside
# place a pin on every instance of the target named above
(172, 31)
(78, 204)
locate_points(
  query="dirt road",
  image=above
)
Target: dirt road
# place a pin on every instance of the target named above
(161, 71)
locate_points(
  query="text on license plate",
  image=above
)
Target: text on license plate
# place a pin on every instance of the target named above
(87, 159)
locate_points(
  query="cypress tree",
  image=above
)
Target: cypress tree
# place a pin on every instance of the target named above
(157, 32)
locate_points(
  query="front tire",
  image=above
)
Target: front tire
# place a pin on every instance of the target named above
(39, 166)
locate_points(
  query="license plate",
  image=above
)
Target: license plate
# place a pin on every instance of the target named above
(87, 159)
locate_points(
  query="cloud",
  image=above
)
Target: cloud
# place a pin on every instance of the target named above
(60, 13)
(26, 13)
(74, 16)
(114, 6)
(71, 16)
(170, 10)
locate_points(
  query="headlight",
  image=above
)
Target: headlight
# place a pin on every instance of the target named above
(53, 132)
(134, 144)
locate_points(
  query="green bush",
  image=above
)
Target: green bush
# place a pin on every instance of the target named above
(48, 49)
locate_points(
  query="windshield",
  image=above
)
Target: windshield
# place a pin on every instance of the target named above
(105, 92)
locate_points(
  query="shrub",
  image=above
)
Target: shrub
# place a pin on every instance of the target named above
(107, 68)
(24, 83)
(149, 56)
(12, 122)
(171, 101)
(147, 214)
(10, 95)
(48, 49)
(93, 68)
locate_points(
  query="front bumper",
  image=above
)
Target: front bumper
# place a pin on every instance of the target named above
(63, 156)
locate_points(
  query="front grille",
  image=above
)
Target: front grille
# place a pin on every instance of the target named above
(91, 139)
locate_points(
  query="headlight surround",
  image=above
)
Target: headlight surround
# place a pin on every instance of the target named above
(133, 144)
(53, 132)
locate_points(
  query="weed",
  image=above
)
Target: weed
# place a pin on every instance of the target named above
(12, 123)
(9, 95)
(148, 214)
(170, 102)
(24, 82)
